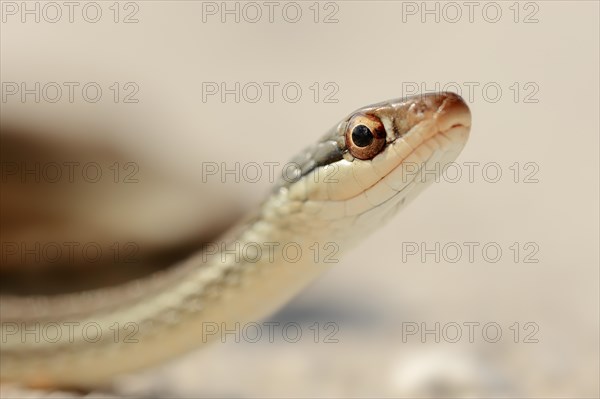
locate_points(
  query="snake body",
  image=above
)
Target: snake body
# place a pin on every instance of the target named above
(345, 185)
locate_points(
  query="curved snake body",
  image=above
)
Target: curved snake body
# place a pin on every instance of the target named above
(348, 183)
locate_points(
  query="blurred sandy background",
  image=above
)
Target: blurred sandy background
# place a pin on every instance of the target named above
(370, 54)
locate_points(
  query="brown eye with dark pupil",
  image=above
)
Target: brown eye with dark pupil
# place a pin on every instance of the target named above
(362, 136)
(365, 136)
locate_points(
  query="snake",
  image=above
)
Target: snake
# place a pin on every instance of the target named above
(337, 191)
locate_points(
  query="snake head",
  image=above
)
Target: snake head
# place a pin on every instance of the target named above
(412, 119)
(377, 158)
(374, 141)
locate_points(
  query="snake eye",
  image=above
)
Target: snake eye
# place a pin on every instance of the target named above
(362, 136)
(365, 136)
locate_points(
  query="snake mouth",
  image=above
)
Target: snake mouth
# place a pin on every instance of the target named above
(445, 114)
(452, 113)
(424, 116)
